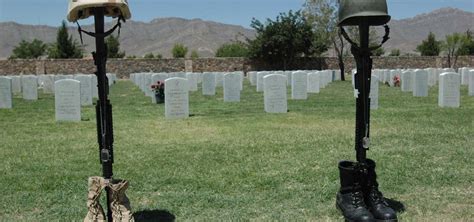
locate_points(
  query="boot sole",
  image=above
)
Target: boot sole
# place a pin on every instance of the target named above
(340, 210)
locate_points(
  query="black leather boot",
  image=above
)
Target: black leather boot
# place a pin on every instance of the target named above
(350, 199)
(374, 198)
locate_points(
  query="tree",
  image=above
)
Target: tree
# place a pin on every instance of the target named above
(430, 47)
(179, 51)
(29, 50)
(453, 47)
(280, 42)
(194, 54)
(149, 56)
(395, 52)
(234, 49)
(113, 48)
(65, 47)
(379, 51)
(467, 48)
(322, 15)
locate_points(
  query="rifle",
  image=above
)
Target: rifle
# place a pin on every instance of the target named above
(105, 134)
(362, 55)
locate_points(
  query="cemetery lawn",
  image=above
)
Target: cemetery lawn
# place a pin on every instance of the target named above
(234, 162)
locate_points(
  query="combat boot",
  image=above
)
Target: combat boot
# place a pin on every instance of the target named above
(374, 198)
(95, 211)
(119, 203)
(350, 199)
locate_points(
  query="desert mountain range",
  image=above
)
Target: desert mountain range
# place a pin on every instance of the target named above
(159, 35)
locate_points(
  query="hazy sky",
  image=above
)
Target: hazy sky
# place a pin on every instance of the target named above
(239, 12)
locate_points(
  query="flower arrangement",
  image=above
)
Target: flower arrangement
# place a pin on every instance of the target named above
(396, 81)
(159, 89)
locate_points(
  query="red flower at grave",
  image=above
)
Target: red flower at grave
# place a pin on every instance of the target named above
(396, 81)
(159, 85)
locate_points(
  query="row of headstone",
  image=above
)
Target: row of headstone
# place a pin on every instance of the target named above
(418, 82)
(327, 76)
(72, 92)
(387, 76)
(301, 82)
(28, 85)
(232, 85)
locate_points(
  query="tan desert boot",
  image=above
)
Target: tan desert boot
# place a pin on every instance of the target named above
(121, 210)
(96, 212)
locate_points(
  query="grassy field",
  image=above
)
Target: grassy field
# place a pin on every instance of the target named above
(235, 162)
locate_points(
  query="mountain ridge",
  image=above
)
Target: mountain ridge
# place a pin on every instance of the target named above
(160, 34)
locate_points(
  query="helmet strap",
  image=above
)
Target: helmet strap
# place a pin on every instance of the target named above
(92, 34)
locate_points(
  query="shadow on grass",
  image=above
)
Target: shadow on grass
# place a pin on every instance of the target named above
(395, 205)
(154, 215)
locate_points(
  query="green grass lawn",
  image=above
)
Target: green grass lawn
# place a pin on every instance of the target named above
(235, 162)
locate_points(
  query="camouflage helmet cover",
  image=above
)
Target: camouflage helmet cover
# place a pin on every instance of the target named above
(82, 9)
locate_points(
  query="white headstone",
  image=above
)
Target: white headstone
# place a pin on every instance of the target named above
(288, 77)
(6, 93)
(275, 93)
(386, 77)
(48, 84)
(232, 87)
(29, 86)
(59, 77)
(209, 84)
(299, 86)
(158, 77)
(449, 90)
(143, 82)
(464, 75)
(86, 89)
(16, 84)
(178, 75)
(241, 79)
(192, 81)
(220, 79)
(176, 98)
(252, 78)
(471, 82)
(313, 82)
(407, 81)
(431, 76)
(322, 79)
(67, 97)
(374, 92)
(420, 83)
(260, 76)
(337, 75)
(95, 87)
(199, 77)
(148, 82)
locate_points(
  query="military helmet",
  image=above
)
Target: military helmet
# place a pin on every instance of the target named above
(352, 11)
(81, 9)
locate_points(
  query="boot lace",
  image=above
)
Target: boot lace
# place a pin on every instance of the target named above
(358, 199)
(377, 197)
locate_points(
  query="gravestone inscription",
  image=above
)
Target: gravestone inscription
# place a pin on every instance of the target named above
(176, 98)
(275, 93)
(67, 98)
